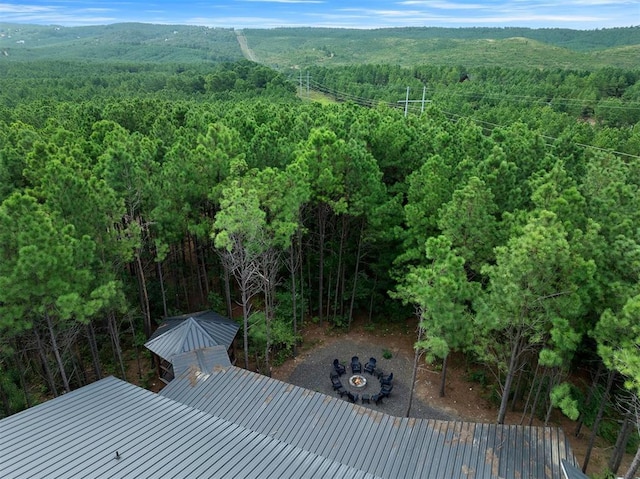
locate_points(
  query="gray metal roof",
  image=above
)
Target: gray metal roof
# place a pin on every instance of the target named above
(572, 472)
(369, 440)
(189, 332)
(200, 361)
(79, 433)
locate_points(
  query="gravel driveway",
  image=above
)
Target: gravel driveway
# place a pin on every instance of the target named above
(314, 367)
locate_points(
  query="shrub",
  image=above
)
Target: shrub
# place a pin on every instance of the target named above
(478, 376)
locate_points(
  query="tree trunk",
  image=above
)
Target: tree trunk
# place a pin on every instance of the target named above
(322, 225)
(245, 330)
(621, 444)
(329, 280)
(534, 406)
(78, 365)
(594, 385)
(509, 379)
(227, 288)
(135, 348)
(526, 404)
(355, 277)
(115, 342)
(343, 282)
(5, 398)
(175, 269)
(301, 269)
(373, 292)
(162, 290)
(414, 373)
(596, 423)
(268, 312)
(45, 363)
(554, 380)
(93, 347)
(294, 309)
(196, 256)
(186, 264)
(516, 392)
(630, 474)
(337, 299)
(144, 296)
(202, 261)
(443, 375)
(20, 366)
(56, 353)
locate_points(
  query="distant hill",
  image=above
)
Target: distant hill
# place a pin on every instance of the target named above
(123, 42)
(516, 47)
(285, 48)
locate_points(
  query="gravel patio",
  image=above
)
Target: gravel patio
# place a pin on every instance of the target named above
(313, 367)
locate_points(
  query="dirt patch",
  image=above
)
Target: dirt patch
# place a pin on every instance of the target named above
(464, 399)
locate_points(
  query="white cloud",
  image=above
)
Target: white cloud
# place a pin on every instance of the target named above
(443, 5)
(331, 13)
(599, 3)
(282, 1)
(13, 8)
(515, 19)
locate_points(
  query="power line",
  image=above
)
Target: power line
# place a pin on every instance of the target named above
(371, 103)
(630, 105)
(547, 137)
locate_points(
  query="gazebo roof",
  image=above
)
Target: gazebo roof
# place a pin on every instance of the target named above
(182, 334)
(204, 361)
(572, 472)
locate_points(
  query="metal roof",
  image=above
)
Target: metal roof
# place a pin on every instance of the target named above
(572, 472)
(189, 332)
(202, 361)
(369, 440)
(82, 433)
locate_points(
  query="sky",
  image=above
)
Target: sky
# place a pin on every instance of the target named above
(574, 14)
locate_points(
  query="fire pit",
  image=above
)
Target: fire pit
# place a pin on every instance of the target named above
(357, 381)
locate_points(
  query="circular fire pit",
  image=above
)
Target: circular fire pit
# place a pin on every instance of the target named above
(357, 381)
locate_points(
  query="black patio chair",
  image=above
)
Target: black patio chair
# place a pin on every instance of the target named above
(339, 368)
(370, 367)
(386, 390)
(377, 398)
(356, 365)
(342, 391)
(334, 374)
(336, 383)
(352, 398)
(386, 380)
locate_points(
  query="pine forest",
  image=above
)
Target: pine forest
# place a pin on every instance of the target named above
(496, 202)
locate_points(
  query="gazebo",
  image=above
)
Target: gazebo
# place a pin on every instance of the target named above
(206, 330)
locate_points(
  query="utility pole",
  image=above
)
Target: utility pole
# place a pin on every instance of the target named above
(406, 101)
(406, 104)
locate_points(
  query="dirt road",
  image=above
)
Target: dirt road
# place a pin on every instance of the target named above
(244, 46)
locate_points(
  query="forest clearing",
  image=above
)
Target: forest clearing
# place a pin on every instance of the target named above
(465, 399)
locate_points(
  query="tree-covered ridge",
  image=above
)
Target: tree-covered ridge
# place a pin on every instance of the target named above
(290, 47)
(579, 40)
(511, 228)
(122, 42)
(473, 47)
